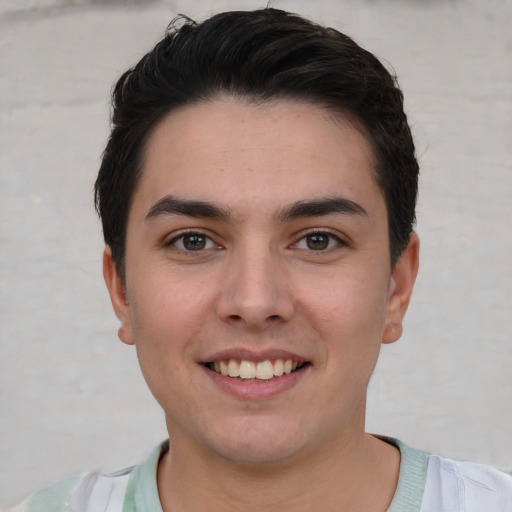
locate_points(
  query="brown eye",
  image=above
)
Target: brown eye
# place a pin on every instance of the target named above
(318, 241)
(191, 242)
(194, 242)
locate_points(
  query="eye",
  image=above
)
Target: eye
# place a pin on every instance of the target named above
(193, 242)
(318, 241)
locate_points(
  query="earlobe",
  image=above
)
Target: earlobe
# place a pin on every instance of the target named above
(117, 292)
(400, 291)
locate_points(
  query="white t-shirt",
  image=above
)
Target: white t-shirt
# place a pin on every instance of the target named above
(427, 483)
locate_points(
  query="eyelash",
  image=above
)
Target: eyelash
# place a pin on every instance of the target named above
(190, 234)
(333, 241)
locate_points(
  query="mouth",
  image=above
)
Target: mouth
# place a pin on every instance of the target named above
(255, 371)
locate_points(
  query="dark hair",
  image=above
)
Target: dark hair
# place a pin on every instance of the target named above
(259, 56)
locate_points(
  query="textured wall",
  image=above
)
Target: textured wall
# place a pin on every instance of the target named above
(71, 395)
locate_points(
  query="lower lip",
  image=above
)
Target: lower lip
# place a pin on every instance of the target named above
(257, 390)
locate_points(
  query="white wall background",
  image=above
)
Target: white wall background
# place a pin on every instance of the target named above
(71, 395)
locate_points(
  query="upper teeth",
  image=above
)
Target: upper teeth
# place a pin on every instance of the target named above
(264, 370)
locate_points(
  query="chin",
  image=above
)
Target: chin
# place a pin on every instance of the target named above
(260, 445)
(258, 456)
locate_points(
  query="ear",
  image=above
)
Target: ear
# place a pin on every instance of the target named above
(400, 289)
(117, 292)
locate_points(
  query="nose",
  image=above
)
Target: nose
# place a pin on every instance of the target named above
(255, 291)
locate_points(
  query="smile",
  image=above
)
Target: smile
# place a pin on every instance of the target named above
(249, 370)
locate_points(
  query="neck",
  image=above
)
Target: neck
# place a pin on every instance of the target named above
(358, 473)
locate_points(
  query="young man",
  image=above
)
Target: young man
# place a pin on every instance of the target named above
(257, 196)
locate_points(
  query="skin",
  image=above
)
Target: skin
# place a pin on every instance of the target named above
(260, 282)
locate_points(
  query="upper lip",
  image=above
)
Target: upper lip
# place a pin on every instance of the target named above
(244, 354)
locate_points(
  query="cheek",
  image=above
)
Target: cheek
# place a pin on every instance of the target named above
(349, 316)
(165, 321)
(162, 333)
(163, 307)
(355, 306)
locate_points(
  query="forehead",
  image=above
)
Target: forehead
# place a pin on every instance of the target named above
(242, 153)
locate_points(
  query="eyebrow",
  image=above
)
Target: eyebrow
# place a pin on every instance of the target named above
(319, 207)
(170, 205)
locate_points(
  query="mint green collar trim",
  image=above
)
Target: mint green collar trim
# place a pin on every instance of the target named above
(142, 491)
(411, 481)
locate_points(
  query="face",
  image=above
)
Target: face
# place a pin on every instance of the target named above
(258, 282)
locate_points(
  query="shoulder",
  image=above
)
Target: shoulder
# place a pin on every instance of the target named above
(52, 498)
(92, 491)
(474, 486)
(87, 492)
